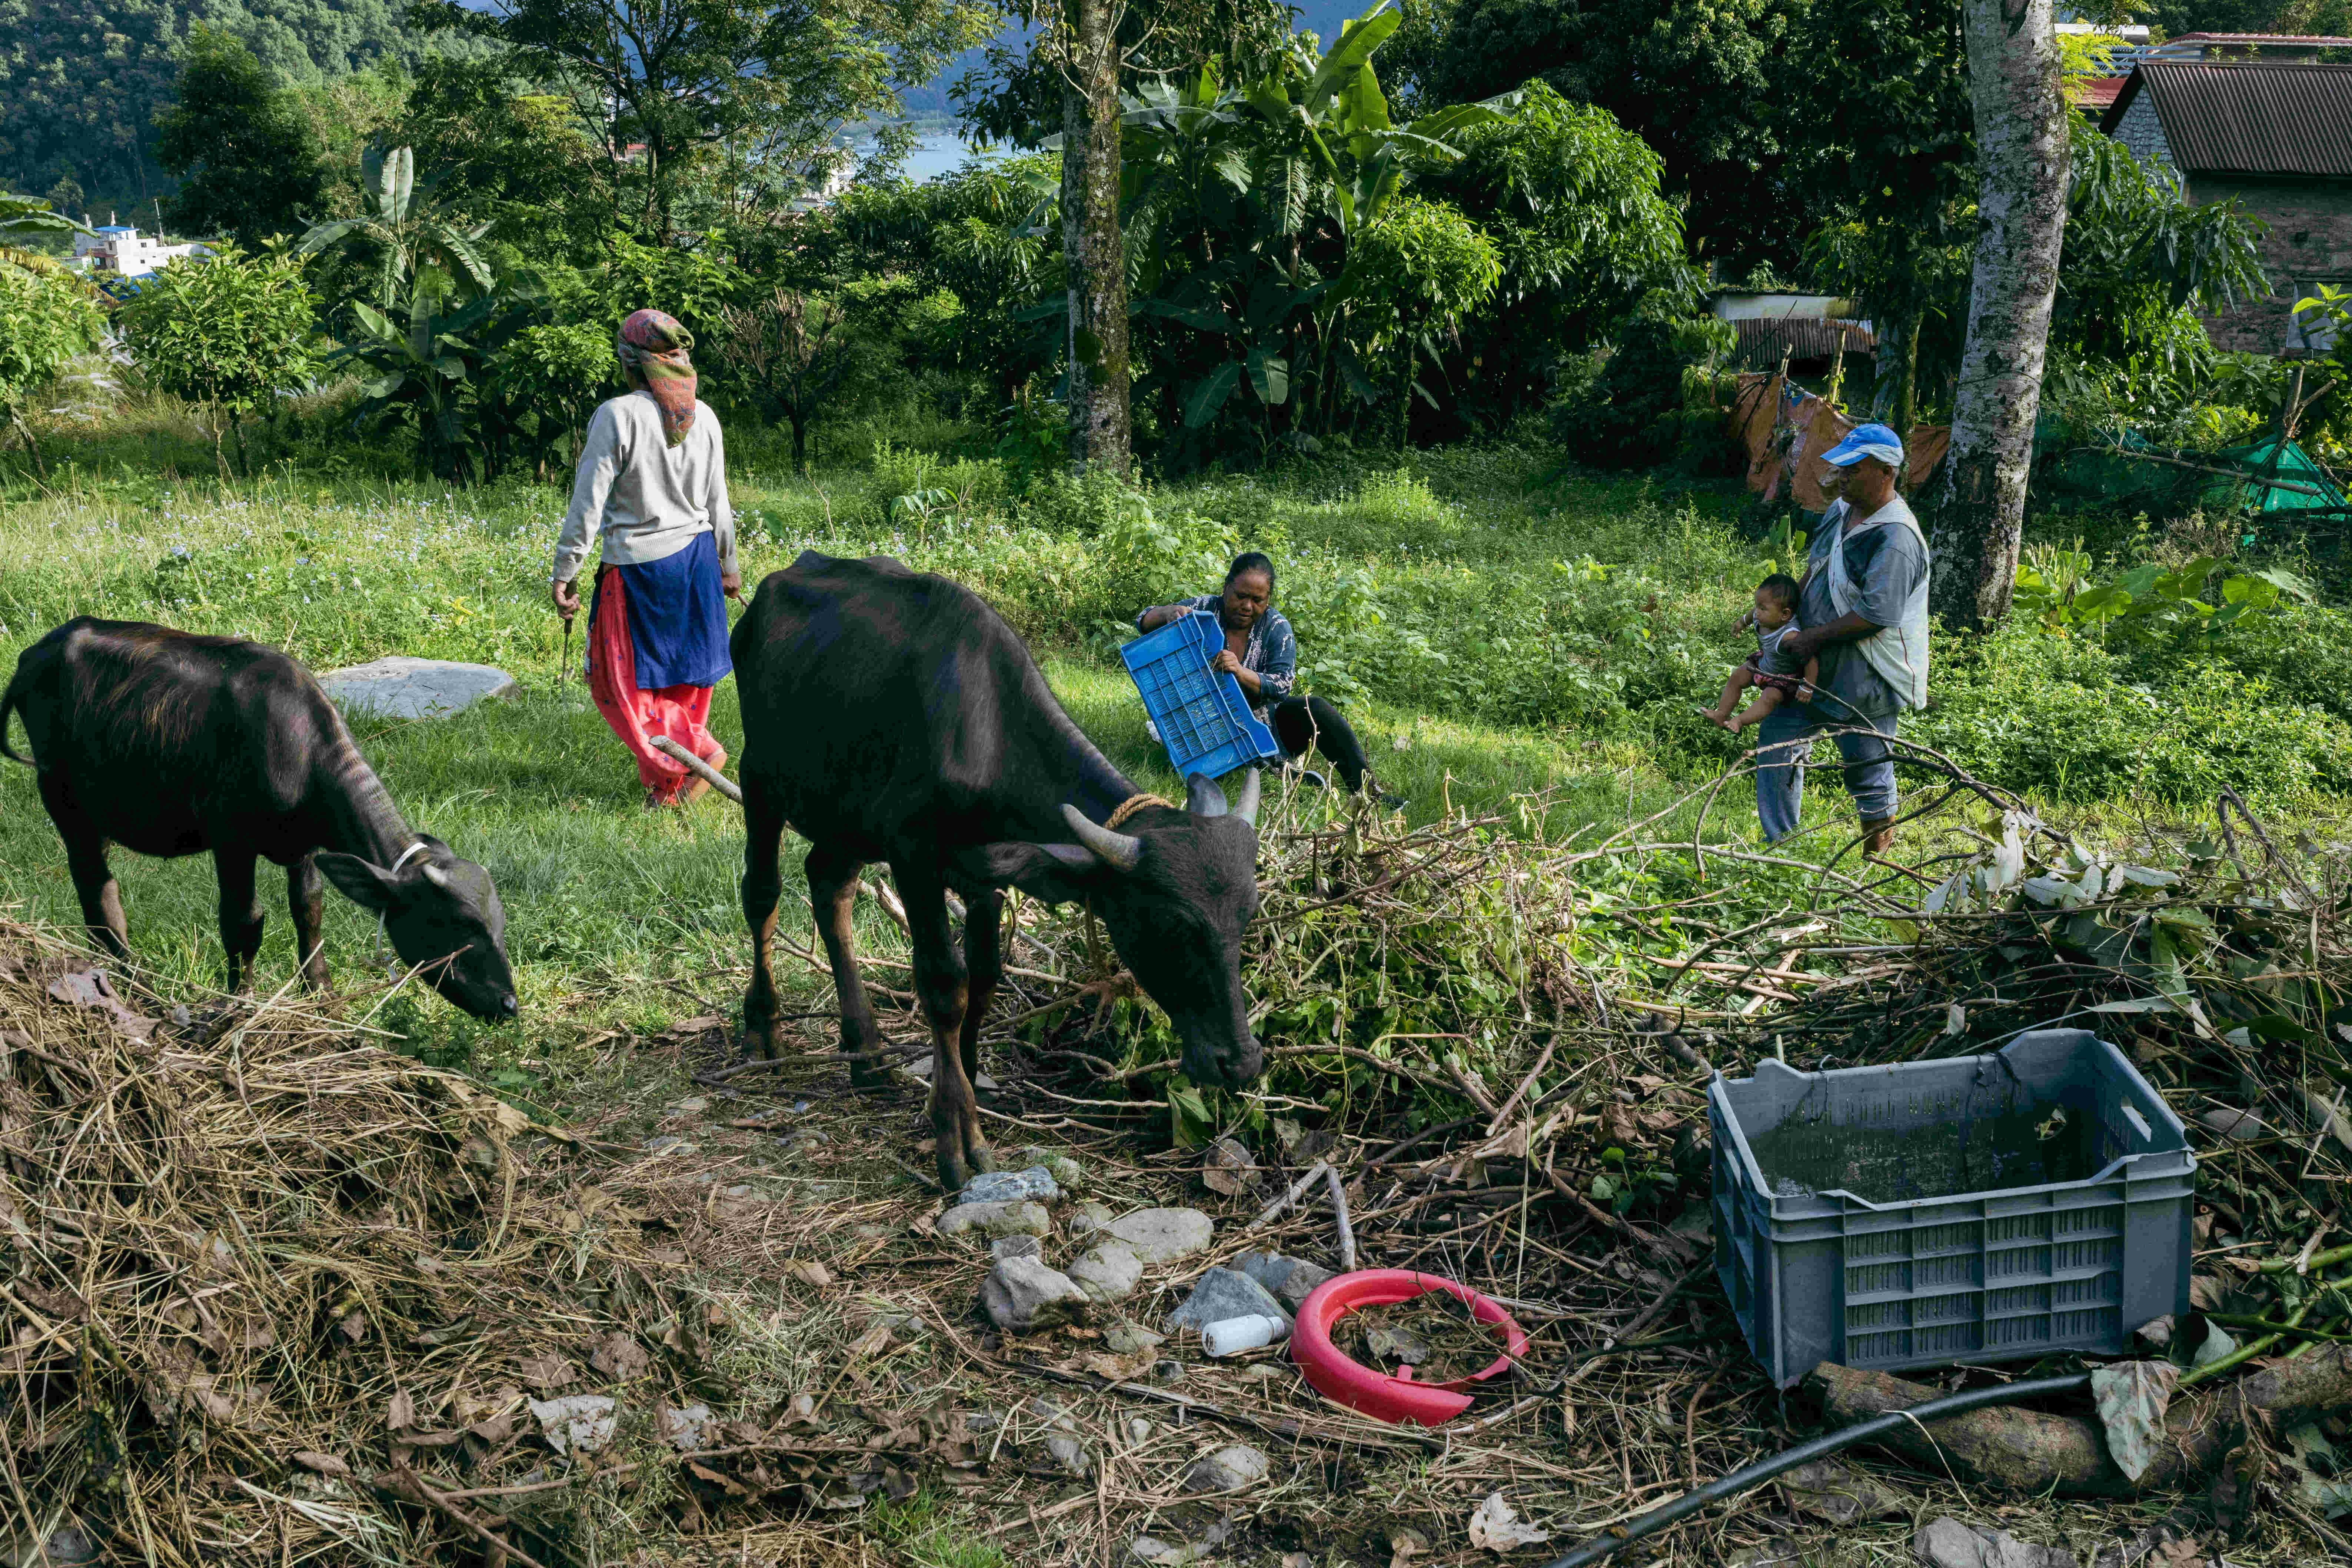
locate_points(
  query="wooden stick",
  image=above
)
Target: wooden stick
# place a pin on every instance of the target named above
(1339, 1216)
(1315, 1174)
(695, 765)
(410, 1481)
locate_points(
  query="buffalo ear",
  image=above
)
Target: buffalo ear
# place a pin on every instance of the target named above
(1056, 873)
(363, 882)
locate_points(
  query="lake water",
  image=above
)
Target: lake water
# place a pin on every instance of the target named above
(942, 152)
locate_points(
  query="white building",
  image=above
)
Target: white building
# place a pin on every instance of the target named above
(119, 249)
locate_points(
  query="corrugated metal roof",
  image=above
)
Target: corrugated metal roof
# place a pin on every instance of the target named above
(2282, 117)
(1805, 337)
(2320, 39)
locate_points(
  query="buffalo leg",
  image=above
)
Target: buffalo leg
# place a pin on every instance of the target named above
(763, 885)
(94, 884)
(833, 896)
(983, 956)
(942, 985)
(306, 899)
(240, 913)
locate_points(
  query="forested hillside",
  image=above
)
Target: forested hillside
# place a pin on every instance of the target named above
(80, 81)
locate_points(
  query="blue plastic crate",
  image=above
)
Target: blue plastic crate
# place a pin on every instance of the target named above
(1202, 716)
(1978, 1209)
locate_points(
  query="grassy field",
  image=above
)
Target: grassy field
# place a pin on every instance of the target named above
(1494, 629)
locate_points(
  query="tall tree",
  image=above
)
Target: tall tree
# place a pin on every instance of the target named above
(243, 150)
(1092, 253)
(771, 85)
(2023, 153)
(1702, 81)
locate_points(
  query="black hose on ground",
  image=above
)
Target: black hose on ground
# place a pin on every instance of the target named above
(1618, 1537)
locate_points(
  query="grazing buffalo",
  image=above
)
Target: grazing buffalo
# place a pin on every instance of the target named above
(890, 715)
(169, 743)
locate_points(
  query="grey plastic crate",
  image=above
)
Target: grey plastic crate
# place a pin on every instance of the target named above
(1977, 1209)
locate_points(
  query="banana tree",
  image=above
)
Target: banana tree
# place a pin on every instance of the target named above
(434, 372)
(1248, 200)
(25, 218)
(412, 241)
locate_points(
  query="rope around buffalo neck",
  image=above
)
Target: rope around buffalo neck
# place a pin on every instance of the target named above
(1130, 805)
(383, 953)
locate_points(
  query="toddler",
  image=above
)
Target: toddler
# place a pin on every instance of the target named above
(1774, 615)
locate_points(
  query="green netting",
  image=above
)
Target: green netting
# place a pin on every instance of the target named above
(2290, 464)
(2269, 474)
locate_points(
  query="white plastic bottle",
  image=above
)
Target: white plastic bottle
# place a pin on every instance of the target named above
(1234, 1335)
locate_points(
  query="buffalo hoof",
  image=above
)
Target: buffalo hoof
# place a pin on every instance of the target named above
(960, 1166)
(760, 1043)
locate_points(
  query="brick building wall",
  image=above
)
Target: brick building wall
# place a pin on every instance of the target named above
(2309, 242)
(2140, 131)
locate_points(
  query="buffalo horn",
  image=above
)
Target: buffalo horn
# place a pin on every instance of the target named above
(1247, 808)
(1119, 851)
(1202, 797)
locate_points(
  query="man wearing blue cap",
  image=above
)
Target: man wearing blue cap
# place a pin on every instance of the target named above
(1863, 611)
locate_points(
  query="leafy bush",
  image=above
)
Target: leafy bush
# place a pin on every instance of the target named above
(228, 334)
(1634, 413)
(46, 318)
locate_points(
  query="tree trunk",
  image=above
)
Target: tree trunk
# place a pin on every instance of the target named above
(800, 441)
(236, 438)
(220, 459)
(1091, 244)
(2022, 156)
(1896, 376)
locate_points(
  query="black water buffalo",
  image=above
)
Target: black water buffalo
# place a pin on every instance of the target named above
(893, 716)
(170, 743)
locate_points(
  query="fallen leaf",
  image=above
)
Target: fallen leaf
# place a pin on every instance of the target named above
(2131, 1397)
(1228, 1167)
(2216, 1345)
(1498, 1529)
(1404, 1544)
(547, 1371)
(403, 1411)
(325, 1464)
(873, 1342)
(619, 1356)
(809, 1271)
(91, 988)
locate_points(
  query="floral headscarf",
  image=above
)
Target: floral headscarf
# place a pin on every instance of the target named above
(653, 349)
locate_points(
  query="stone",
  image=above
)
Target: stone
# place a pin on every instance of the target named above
(1059, 1165)
(1071, 1456)
(1089, 1215)
(1163, 1235)
(1949, 1544)
(1109, 1271)
(1010, 1186)
(1025, 1297)
(404, 688)
(1051, 1412)
(1835, 1490)
(1289, 1278)
(690, 1107)
(670, 1144)
(1228, 1470)
(1169, 1371)
(1224, 1293)
(995, 1219)
(1023, 1246)
(1128, 1339)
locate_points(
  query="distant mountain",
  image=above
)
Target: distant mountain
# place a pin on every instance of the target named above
(81, 79)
